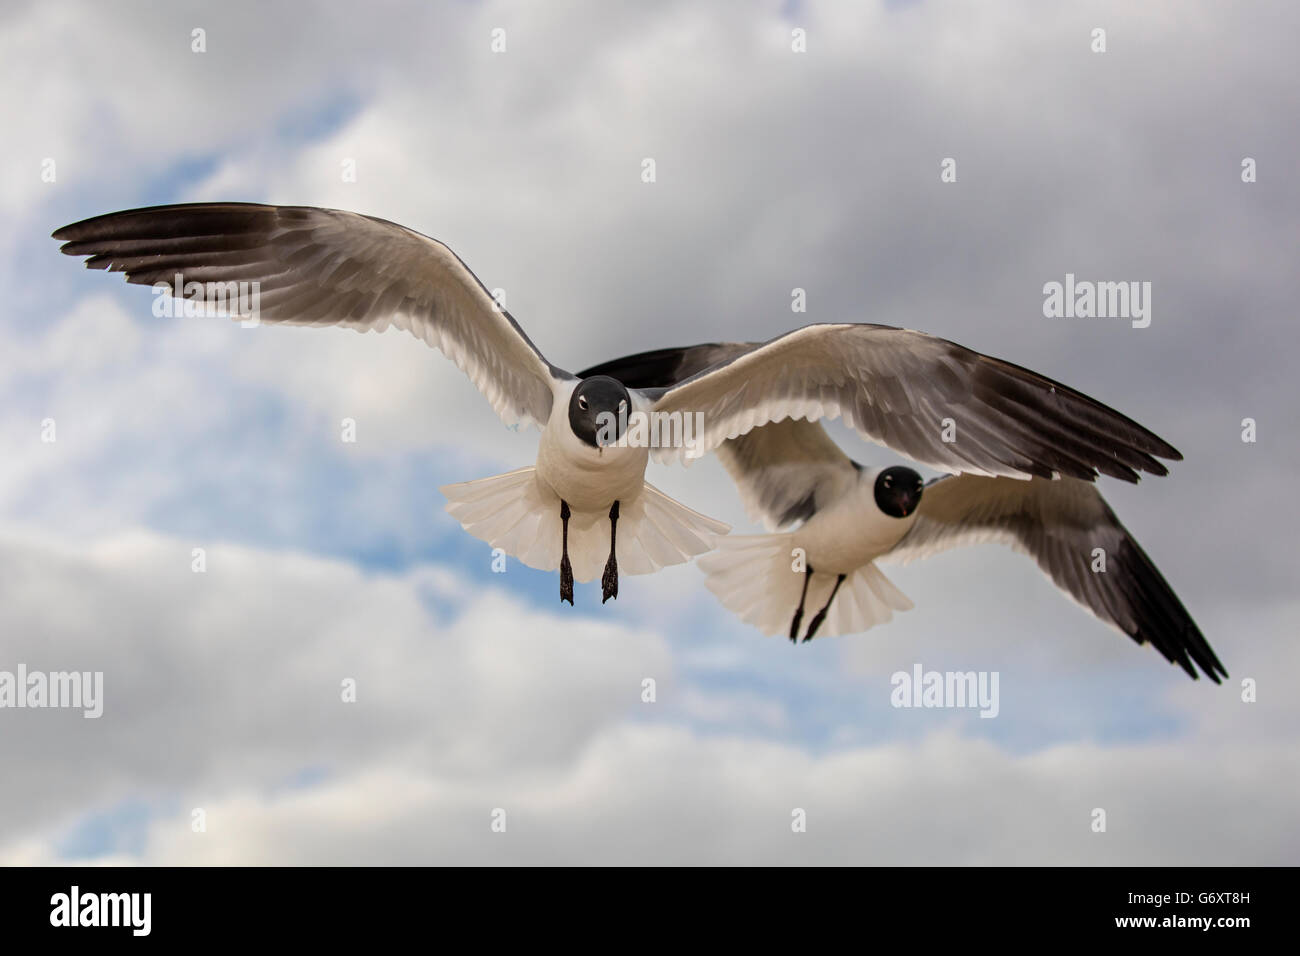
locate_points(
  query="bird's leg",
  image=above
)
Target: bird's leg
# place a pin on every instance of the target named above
(609, 580)
(566, 569)
(798, 614)
(821, 615)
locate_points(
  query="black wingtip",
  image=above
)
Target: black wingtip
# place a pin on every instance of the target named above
(79, 229)
(1161, 619)
(657, 368)
(1081, 411)
(1215, 671)
(661, 368)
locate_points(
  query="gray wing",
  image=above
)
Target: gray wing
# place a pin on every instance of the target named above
(329, 267)
(1059, 524)
(900, 388)
(785, 471)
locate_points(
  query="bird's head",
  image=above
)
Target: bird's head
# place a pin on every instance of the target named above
(598, 410)
(898, 491)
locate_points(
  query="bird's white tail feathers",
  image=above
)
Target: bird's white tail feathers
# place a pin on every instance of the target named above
(754, 576)
(521, 516)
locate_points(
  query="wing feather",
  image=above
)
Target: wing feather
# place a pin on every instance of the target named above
(932, 400)
(323, 267)
(1059, 523)
(785, 471)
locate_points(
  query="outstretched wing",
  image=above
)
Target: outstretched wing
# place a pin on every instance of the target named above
(1060, 524)
(785, 471)
(317, 266)
(921, 396)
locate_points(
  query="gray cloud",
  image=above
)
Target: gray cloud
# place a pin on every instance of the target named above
(775, 170)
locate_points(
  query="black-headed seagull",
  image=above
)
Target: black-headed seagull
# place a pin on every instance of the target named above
(925, 397)
(835, 519)
(312, 266)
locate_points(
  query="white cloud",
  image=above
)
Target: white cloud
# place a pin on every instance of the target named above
(221, 687)
(775, 171)
(658, 795)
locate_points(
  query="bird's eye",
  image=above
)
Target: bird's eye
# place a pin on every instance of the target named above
(889, 481)
(582, 403)
(622, 406)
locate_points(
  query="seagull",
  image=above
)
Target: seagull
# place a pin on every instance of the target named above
(925, 397)
(319, 267)
(835, 519)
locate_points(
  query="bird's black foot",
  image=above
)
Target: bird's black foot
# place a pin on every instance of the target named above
(821, 615)
(609, 580)
(566, 581)
(816, 623)
(566, 569)
(798, 614)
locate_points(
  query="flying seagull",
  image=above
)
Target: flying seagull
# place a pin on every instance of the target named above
(927, 398)
(321, 267)
(835, 519)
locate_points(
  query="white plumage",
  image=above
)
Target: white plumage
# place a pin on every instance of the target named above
(893, 386)
(315, 266)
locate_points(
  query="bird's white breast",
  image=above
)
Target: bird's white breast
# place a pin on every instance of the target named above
(589, 479)
(852, 531)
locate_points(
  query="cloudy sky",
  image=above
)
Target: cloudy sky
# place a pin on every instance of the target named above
(775, 169)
